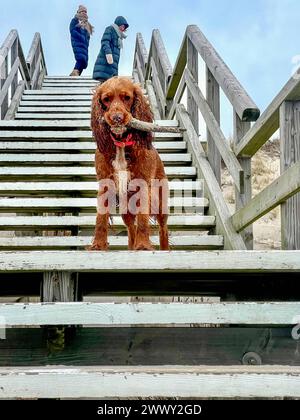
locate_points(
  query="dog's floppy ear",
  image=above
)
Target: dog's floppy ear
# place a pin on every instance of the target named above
(97, 110)
(141, 108)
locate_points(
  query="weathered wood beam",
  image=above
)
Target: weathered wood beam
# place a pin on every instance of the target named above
(290, 153)
(221, 143)
(283, 188)
(192, 69)
(14, 105)
(240, 100)
(240, 128)
(268, 123)
(178, 70)
(152, 100)
(146, 314)
(213, 101)
(146, 382)
(224, 226)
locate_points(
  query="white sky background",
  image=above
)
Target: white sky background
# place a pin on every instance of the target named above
(257, 39)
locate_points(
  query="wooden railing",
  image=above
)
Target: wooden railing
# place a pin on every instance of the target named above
(166, 88)
(18, 73)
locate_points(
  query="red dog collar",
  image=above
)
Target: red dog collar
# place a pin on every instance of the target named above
(127, 143)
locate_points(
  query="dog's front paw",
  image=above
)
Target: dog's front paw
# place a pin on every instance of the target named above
(98, 246)
(143, 246)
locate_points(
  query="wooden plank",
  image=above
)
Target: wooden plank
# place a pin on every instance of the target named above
(217, 135)
(287, 185)
(184, 222)
(217, 203)
(52, 135)
(10, 115)
(268, 123)
(193, 69)
(153, 100)
(150, 382)
(159, 346)
(115, 242)
(240, 100)
(82, 172)
(58, 98)
(60, 92)
(158, 88)
(178, 69)
(177, 98)
(148, 314)
(53, 110)
(3, 78)
(7, 44)
(84, 204)
(43, 116)
(167, 158)
(9, 79)
(290, 153)
(78, 146)
(156, 261)
(46, 188)
(213, 101)
(77, 105)
(240, 128)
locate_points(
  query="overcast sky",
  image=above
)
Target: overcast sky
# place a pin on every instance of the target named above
(257, 39)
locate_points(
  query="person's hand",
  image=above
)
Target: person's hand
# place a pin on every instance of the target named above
(109, 58)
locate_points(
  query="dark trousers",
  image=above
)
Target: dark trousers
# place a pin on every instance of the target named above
(80, 65)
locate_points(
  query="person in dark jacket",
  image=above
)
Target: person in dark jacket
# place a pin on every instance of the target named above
(81, 30)
(107, 63)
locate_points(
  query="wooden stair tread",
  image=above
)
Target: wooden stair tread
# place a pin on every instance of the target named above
(178, 222)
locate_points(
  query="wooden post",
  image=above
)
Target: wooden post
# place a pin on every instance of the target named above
(3, 77)
(213, 100)
(192, 64)
(290, 153)
(14, 56)
(240, 129)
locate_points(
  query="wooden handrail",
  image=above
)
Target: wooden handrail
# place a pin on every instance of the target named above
(268, 123)
(12, 62)
(283, 188)
(140, 59)
(243, 105)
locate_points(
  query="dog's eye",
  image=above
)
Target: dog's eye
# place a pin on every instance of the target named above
(127, 98)
(106, 100)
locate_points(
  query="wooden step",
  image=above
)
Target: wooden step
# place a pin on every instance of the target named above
(89, 205)
(81, 188)
(57, 124)
(154, 261)
(150, 382)
(77, 104)
(73, 145)
(175, 222)
(44, 116)
(79, 159)
(63, 135)
(149, 314)
(115, 242)
(56, 172)
(68, 78)
(84, 99)
(57, 92)
(61, 110)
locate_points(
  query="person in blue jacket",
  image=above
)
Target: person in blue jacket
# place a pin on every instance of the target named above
(81, 30)
(107, 63)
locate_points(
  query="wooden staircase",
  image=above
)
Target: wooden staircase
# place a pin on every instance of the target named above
(209, 319)
(47, 167)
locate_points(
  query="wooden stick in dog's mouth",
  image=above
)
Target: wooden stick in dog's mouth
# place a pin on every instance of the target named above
(145, 126)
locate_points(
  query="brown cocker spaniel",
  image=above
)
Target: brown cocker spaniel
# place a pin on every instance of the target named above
(130, 172)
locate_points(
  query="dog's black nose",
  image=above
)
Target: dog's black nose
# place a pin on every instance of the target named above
(118, 117)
